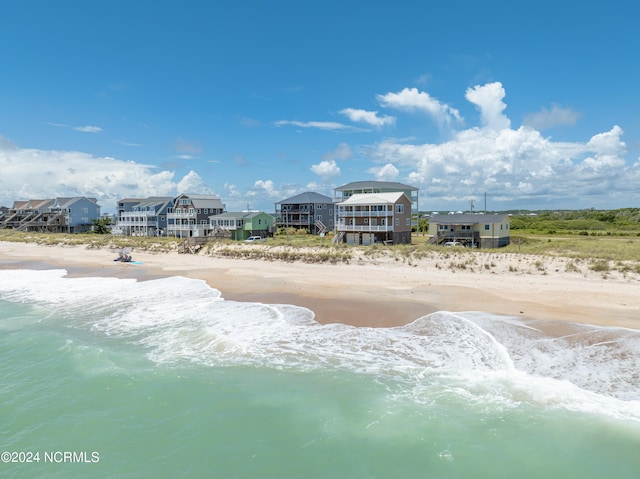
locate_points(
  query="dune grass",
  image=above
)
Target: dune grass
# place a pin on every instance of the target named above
(603, 253)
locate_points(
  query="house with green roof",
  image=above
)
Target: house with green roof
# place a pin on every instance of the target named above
(241, 225)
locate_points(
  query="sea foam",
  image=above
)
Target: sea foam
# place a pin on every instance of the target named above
(478, 355)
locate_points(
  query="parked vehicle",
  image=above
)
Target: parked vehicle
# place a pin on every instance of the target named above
(450, 244)
(251, 239)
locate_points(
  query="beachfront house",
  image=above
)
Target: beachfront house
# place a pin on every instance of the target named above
(311, 211)
(58, 215)
(190, 215)
(143, 216)
(343, 192)
(367, 218)
(241, 225)
(466, 229)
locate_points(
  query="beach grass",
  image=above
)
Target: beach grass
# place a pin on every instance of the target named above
(601, 253)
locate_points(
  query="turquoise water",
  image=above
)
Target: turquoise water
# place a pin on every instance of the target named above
(165, 379)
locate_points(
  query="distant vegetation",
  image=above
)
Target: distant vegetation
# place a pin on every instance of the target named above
(595, 236)
(621, 222)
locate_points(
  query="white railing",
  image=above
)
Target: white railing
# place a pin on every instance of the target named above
(363, 228)
(137, 222)
(366, 214)
(178, 216)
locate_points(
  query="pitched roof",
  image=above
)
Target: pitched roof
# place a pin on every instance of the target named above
(39, 204)
(239, 214)
(204, 201)
(154, 201)
(366, 185)
(65, 202)
(374, 198)
(466, 219)
(304, 198)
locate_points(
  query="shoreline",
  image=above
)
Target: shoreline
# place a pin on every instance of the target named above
(370, 292)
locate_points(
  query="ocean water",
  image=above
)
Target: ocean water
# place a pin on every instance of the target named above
(114, 378)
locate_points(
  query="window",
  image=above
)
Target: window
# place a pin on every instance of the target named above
(178, 210)
(191, 211)
(259, 221)
(397, 221)
(169, 210)
(487, 227)
(185, 201)
(206, 211)
(198, 210)
(408, 221)
(399, 208)
(366, 221)
(319, 217)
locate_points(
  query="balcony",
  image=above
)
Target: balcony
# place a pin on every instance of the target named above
(364, 228)
(178, 216)
(364, 214)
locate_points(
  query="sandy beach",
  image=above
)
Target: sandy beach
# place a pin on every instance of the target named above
(377, 290)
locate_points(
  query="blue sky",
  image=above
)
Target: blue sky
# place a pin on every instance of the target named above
(535, 104)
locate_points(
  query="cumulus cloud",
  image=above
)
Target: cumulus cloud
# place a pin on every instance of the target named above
(370, 117)
(557, 116)
(326, 169)
(192, 183)
(32, 173)
(517, 167)
(386, 173)
(410, 99)
(488, 98)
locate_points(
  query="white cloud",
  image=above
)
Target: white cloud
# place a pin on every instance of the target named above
(32, 173)
(370, 117)
(266, 187)
(488, 98)
(386, 173)
(326, 169)
(88, 129)
(514, 166)
(192, 183)
(84, 129)
(410, 99)
(557, 116)
(322, 125)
